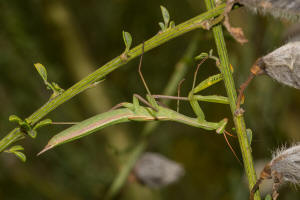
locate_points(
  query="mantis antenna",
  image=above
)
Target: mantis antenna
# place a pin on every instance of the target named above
(178, 93)
(140, 71)
(196, 72)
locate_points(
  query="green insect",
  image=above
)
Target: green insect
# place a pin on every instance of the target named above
(151, 112)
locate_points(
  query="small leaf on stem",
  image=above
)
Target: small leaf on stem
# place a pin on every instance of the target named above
(165, 14)
(14, 118)
(20, 155)
(32, 133)
(162, 26)
(16, 148)
(42, 71)
(201, 56)
(172, 24)
(249, 135)
(42, 123)
(127, 40)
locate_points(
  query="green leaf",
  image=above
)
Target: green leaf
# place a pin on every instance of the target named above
(57, 88)
(249, 135)
(268, 197)
(172, 24)
(201, 56)
(32, 133)
(15, 118)
(42, 123)
(127, 40)
(20, 155)
(165, 14)
(41, 70)
(162, 26)
(16, 148)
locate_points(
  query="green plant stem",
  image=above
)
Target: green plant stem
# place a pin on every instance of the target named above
(180, 70)
(232, 96)
(87, 82)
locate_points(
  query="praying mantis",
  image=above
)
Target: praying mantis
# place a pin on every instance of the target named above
(125, 112)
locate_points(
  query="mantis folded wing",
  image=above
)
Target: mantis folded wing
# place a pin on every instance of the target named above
(131, 112)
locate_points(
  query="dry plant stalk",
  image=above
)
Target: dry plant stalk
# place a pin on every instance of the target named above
(283, 168)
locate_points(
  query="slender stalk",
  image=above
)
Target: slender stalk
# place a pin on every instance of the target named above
(87, 82)
(180, 70)
(232, 96)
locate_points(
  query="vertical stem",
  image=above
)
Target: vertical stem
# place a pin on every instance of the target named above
(231, 92)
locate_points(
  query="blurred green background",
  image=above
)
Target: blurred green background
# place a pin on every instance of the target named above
(72, 39)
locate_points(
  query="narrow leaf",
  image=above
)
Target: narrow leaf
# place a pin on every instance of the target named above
(32, 133)
(201, 56)
(16, 148)
(20, 155)
(162, 26)
(127, 40)
(165, 14)
(249, 135)
(42, 71)
(15, 118)
(43, 123)
(172, 24)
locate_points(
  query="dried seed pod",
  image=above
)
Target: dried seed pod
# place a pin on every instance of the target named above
(282, 64)
(288, 9)
(283, 168)
(156, 171)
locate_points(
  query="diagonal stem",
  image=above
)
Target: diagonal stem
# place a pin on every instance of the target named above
(87, 82)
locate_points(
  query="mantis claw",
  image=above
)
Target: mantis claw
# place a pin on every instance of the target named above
(222, 126)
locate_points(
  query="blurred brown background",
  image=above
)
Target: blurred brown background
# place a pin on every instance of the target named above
(72, 39)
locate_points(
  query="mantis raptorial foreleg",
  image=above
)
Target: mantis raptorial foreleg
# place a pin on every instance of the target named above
(135, 112)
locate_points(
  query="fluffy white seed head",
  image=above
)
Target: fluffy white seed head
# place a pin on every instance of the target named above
(288, 9)
(283, 64)
(156, 171)
(286, 162)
